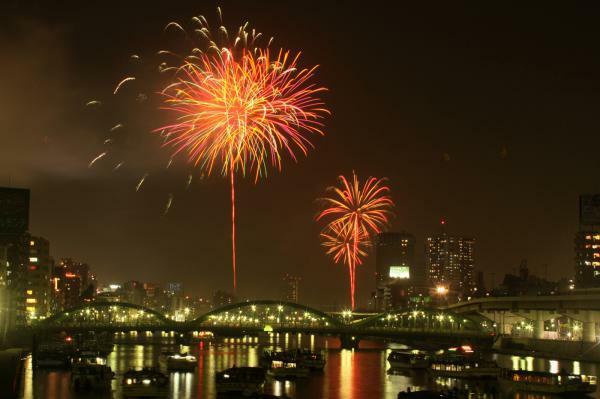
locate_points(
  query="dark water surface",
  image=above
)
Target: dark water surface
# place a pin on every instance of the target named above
(357, 374)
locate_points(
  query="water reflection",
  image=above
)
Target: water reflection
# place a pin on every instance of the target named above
(363, 373)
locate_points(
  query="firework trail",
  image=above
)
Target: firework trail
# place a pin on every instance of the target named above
(139, 185)
(239, 109)
(93, 161)
(122, 82)
(169, 203)
(353, 213)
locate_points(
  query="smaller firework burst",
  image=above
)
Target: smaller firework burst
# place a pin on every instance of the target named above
(353, 214)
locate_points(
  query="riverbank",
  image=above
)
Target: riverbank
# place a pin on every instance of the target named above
(11, 365)
(552, 349)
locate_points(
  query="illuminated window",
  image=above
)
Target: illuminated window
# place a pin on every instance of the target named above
(597, 237)
(31, 300)
(33, 259)
(32, 243)
(588, 237)
(402, 272)
(31, 309)
(29, 292)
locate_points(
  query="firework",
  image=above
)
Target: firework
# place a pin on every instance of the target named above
(353, 214)
(240, 109)
(122, 82)
(97, 158)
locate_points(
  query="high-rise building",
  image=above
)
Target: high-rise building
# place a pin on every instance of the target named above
(14, 211)
(587, 242)
(71, 283)
(397, 275)
(133, 292)
(14, 223)
(37, 278)
(4, 314)
(449, 262)
(291, 286)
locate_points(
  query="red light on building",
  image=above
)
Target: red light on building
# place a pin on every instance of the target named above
(70, 275)
(443, 222)
(32, 267)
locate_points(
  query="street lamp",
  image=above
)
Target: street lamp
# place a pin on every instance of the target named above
(441, 290)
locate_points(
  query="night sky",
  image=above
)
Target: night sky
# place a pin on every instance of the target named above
(481, 115)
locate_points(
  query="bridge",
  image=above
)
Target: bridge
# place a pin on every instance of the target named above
(415, 327)
(537, 316)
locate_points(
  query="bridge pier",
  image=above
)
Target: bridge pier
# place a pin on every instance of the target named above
(538, 326)
(348, 341)
(589, 331)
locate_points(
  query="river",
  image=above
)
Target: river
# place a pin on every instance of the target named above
(362, 373)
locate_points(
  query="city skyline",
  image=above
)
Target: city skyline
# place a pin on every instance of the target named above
(428, 130)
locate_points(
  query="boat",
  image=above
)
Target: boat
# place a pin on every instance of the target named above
(287, 369)
(403, 360)
(463, 367)
(145, 383)
(547, 383)
(310, 360)
(241, 380)
(399, 359)
(462, 362)
(90, 373)
(53, 355)
(181, 362)
(426, 394)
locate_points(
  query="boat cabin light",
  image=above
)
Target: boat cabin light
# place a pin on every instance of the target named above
(146, 381)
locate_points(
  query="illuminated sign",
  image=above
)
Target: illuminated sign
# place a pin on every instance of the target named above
(399, 272)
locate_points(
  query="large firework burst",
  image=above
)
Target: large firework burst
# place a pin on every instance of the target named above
(353, 213)
(240, 109)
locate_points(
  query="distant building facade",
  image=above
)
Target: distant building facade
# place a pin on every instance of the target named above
(38, 296)
(72, 284)
(397, 276)
(587, 242)
(14, 224)
(450, 262)
(291, 286)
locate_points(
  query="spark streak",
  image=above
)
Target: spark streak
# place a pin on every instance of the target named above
(139, 185)
(121, 83)
(93, 161)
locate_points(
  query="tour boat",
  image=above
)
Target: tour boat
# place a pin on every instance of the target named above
(241, 380)
(287, 369)
(91, 373)
(181, 362)
(310, 360)
(547, 383)
(145, 383)
(414, 360)
(463, 368)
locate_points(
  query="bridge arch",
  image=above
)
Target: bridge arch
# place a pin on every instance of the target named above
(112, 314)
(424, 319)
(262, 313)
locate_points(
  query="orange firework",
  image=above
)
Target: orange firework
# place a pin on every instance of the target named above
(353, 214)
(241, 110)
